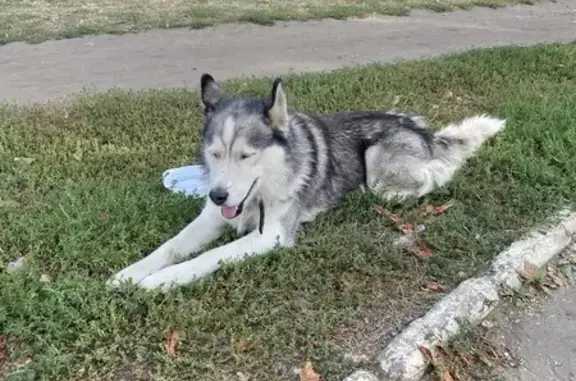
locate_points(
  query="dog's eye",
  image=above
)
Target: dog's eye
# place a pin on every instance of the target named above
(216, 155)
(246, 156)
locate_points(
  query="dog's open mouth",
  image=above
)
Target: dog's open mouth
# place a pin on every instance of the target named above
(231, 212)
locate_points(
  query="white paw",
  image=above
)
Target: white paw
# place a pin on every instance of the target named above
(133, 273)
(172, 276)
(166, 279)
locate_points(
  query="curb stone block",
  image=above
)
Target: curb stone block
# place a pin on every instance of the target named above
(470, 302)
(534, 252)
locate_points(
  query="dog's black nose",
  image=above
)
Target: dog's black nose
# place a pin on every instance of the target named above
(218, 196)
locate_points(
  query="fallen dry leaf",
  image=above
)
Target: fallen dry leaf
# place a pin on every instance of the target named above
(447, 376)
(486, 361)
(308, 374)
(394, 217)
(171, 342)
(437, 210)
(423, 249)
(556, 276)
(440, 350)
(432, 286)
(2, 353)
(499, 200)
(407, 228)
(527, 274)
(428, 355)
(104, 218)
(469, 359)
(456, 244)
(244, 345)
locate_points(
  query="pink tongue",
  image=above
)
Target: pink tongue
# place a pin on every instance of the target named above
(229, 212)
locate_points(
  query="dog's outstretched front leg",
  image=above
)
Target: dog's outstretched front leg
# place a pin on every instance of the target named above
(255, 243)
(205, 228)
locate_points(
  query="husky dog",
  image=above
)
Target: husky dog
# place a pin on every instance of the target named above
(271, 168)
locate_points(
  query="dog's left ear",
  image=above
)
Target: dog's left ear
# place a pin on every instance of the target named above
(277, 111)
(210, 92)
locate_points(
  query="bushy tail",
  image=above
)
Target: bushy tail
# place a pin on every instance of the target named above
(456, 143)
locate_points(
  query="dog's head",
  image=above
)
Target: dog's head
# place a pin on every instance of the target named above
(244, 141)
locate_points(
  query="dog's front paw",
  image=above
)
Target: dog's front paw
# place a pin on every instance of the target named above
(171, 277)
(132, 274)
(162, 280)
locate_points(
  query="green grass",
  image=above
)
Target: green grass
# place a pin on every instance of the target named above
(37, 21)
(81, 197)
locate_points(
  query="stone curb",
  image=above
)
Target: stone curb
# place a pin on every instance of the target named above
(470, 302)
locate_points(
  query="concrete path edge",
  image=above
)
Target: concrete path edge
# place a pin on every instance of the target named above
(470, 302)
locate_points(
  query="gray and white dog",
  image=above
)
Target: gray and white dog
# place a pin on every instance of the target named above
(271, 169)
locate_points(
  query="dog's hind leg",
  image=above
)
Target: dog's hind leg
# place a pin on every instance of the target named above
(396, 175)
(204, 229)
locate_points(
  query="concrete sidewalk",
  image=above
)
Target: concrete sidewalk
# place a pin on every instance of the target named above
(176, 58)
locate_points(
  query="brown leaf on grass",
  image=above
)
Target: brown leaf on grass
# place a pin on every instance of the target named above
(406, 228)
(436, 210)
(447, 376)
(456, 244)
(104, 218)
(440, 350)
(394, 217)
(487, 362)
(171, 341)
(427, 353)
(499, 200)
(468, 359)
(308, 374)
(2, 354)
(423, 249)
(432, 286)
(556, 276)
(244, 345)
(2, 348)
(527, 274)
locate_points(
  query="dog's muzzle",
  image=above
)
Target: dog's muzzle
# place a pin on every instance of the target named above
(231, 212)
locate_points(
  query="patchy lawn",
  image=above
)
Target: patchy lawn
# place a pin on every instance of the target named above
(81, 197)
(37, 21)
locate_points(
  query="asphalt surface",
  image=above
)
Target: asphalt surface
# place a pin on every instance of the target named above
(543, 338)
(174, 58)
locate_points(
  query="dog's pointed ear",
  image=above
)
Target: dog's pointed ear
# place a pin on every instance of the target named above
(210, 92)
(277, 111)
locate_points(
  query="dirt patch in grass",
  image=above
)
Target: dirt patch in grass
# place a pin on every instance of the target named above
(37, 21)
(81, 197)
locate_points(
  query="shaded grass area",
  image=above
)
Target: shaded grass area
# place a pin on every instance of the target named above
(81, 197)
(37, 21)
